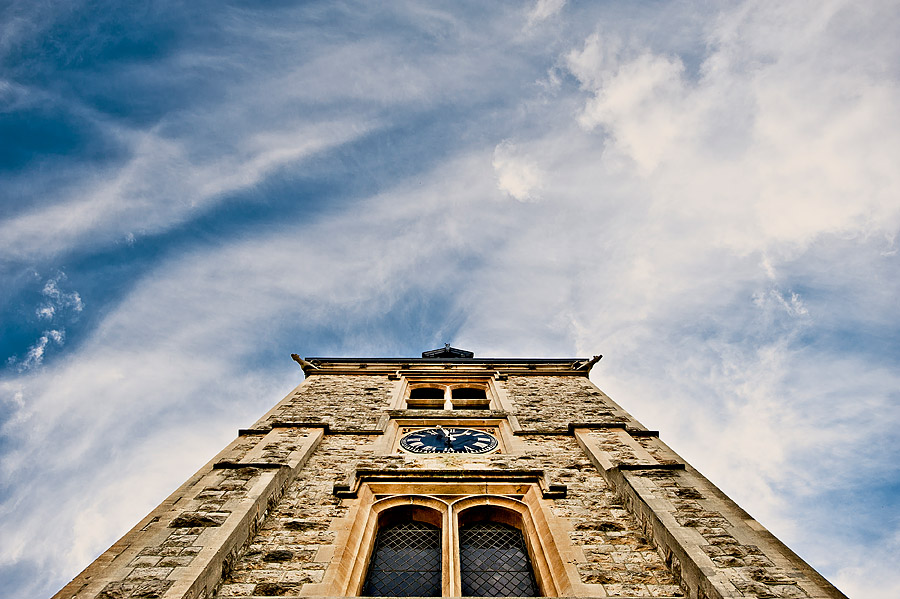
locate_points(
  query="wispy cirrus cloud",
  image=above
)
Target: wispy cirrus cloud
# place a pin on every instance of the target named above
(56, 307)
(717, 214)
(57, 300)
(35, 355)
(543, 10)
(161, 187)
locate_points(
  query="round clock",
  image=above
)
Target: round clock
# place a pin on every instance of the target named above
(449, 440)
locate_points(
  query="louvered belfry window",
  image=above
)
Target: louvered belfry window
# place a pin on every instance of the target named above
(406, 562)
(494, 562)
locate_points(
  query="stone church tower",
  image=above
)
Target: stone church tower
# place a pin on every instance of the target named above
(447, 475)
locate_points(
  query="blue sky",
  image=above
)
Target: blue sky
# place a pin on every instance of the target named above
(706, 193)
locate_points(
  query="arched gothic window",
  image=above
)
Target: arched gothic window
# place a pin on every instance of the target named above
(425, 398)
(475, 545)
(494, 561)
(406, 562)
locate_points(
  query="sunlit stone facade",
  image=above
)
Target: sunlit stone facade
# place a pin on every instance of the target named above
(296, 505)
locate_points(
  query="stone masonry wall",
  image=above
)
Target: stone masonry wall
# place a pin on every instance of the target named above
(153, 570)
(552, 402)
(743, 564)
(618, 556)
(283, 555)
(341, 401)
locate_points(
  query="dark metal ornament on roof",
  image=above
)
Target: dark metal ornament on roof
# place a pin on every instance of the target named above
(448, 352)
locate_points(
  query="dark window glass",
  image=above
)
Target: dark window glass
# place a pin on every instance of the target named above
(406, 562)
(468, 393)
(426, 393)
(494, 562)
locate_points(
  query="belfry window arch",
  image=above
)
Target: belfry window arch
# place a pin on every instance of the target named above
(494, 560)
(469, 397)
(427, 393)
(427, 397)
(491, 553)
(406, 560)
(448, 396)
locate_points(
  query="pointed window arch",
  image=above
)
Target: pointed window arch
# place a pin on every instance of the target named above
(494, 561)
(474, 545)
(406, 561)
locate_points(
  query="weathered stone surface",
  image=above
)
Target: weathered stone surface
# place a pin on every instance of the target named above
(299, 524)
(350, 402)
(744, 565)
(201, 519)
(552, 402)
(619, 557)
(136, 589)
(273, 589)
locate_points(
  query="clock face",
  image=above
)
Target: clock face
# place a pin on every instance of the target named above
(449, 440)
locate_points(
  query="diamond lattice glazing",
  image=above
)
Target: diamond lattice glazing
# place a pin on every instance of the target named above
(494, 562)
(406, 562)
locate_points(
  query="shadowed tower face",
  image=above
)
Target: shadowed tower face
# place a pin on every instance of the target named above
(447, 475)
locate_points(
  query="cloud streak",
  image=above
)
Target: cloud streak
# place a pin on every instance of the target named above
(705, 195)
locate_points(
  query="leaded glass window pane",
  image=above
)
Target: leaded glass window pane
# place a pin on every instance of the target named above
(406, 562)
(494, 562)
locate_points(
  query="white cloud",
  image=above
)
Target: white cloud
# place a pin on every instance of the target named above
(163, 185)
(517, 175)
(640, 101)
(861, 571)
(543, 10)
(791, 303)
(35, 355)
(57, 304)
(45, 312)
(785, 149)
(700, 217)
(58, 300)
